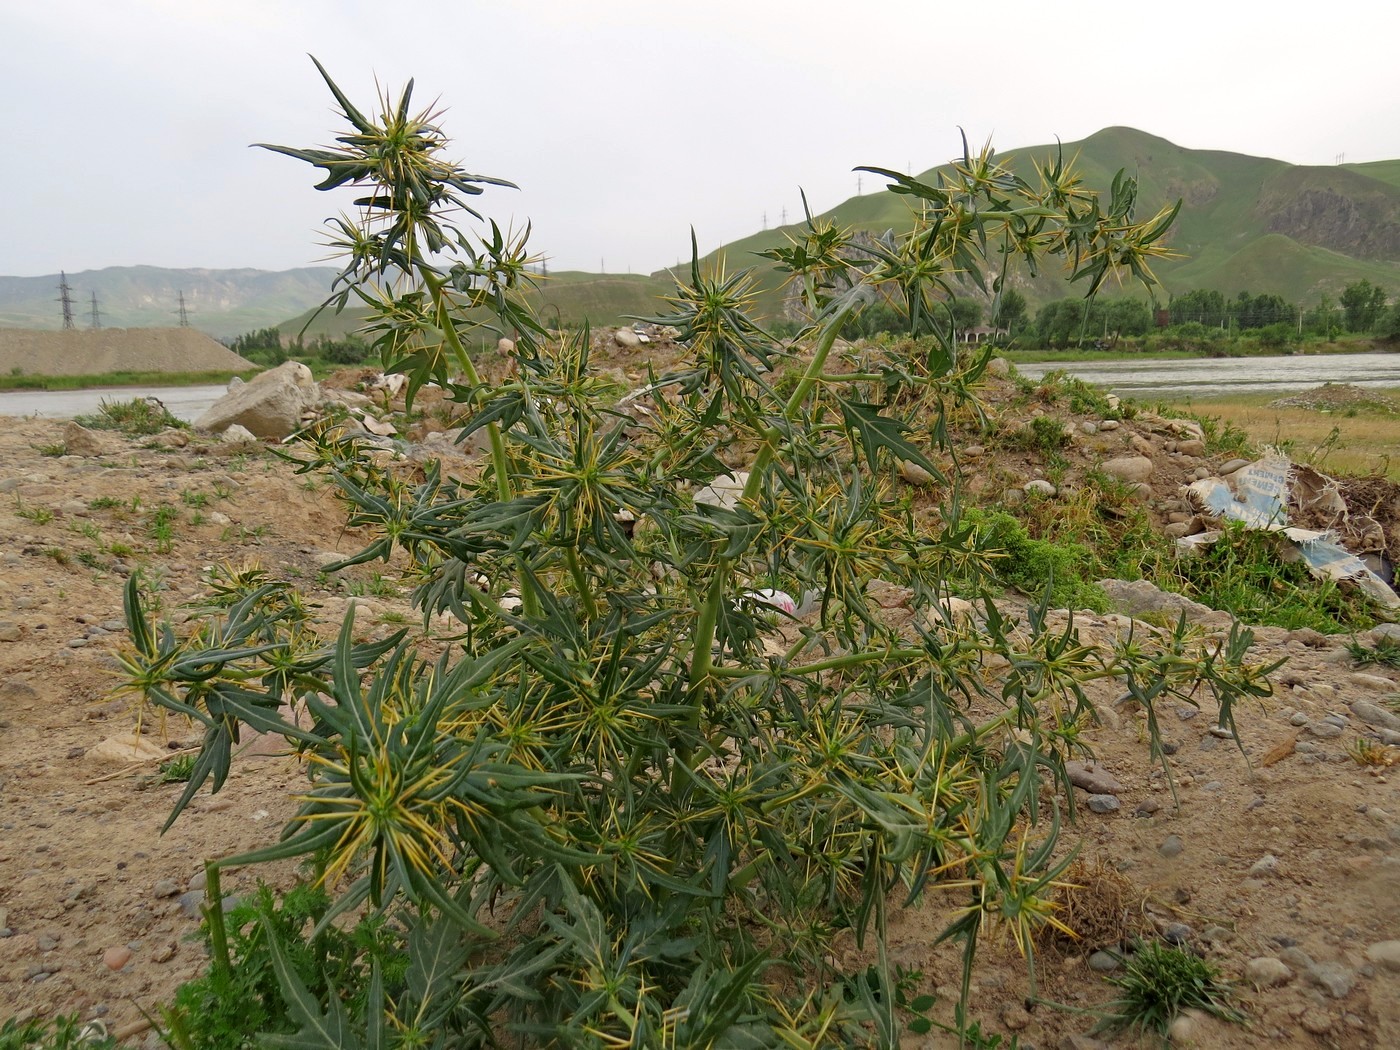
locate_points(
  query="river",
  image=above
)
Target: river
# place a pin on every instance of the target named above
(183, 402)
(1196, 377)
(1222, 376)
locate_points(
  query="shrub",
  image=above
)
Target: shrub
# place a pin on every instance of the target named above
(665, 790)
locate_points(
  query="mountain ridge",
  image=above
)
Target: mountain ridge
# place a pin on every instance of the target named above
(1247, 223)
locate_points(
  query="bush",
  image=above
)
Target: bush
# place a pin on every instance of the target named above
(669, 793)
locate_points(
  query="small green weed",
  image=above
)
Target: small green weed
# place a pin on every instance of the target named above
(88, 529)
(1160, 981)
(1385, 652)
(120, 549)
(139, 416)
(58, 554)
(89, 559)
(177, 770)
(105, 503)
(161, 527)
(60, 1033)
(52, 449)
(190, 498)
(38, 515)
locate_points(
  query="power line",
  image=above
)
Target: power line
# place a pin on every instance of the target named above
(184, 314)
(96, 313)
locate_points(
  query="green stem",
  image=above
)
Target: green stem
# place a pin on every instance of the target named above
(214, 915)
(500, 459)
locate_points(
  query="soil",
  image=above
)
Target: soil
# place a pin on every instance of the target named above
(86, 875)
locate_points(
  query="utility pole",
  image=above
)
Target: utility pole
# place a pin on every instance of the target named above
(65, 296)
(765, 220)
(96, 314)
(184, 314)
(784, 219)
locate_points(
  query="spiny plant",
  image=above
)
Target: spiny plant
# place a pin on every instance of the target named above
(139, 416)
(634, 797)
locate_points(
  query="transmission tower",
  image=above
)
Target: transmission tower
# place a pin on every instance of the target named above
(65, 296)
(184, 314)
(96, 314)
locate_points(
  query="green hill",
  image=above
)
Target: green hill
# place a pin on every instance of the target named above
(1246, 223)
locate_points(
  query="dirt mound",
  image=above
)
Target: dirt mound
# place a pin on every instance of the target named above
(87, 351)
(1338, 397)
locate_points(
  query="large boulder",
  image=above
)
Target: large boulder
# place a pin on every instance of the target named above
(270, 405)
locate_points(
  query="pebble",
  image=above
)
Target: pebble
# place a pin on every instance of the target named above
(1223, 732)
(1324, 730)
(116, 957)
(1334, 978)
(1265, 865)
(1177, 933)
(1315, 1021)
(1267, 972)
(164, 952)
(1336, 720)
(1103, 803)
(1374, 715)
(1103, 962)
(1147, 807)
(1372, 681)
(1299, 719)
(1385, 954)
(1092, 778)
(1039, 487)
(1171, 846)
(166, 888)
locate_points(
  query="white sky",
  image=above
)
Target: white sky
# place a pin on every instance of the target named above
(624, 122)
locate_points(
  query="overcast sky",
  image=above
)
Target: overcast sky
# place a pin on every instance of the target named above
(625, 122)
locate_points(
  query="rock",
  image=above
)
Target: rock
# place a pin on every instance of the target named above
(10, 632)
(1324, 730)
(269, 406)
(626, 338)
(1103, 962)
(1171, 846)
(1177, 933)
(1103, 803)
(948, 611)
(1230, 466)
(1373, 715)
(1191, 447)
(116, 957)
(171, 438)
(1267, 972)
(1372, 681)
(1039, 487)
(1334, 978)
(1385, 954)
(124, 750)
(17, 690)
(1140, 597)
(1265, 865)
(1389, 632)
(238, 435)
(999, 367)
(1015, 1018)
(1315, 1021)
(1088, 427)
(1078, 1041)
(724, 491)
(164, 952)
(1109, 425)
(915, 474)
(1128, 468)
(80, 441)
(166, 888)
(505, 347)
(1147, 807)
(1092, 778)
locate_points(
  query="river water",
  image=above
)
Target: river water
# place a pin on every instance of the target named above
(1216, 377)
(1197, 378)
(183, 402)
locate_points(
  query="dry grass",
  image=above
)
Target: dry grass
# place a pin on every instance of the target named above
(1101, 905)
(1358, 439)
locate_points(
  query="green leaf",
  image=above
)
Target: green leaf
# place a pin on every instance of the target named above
(876, 432)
